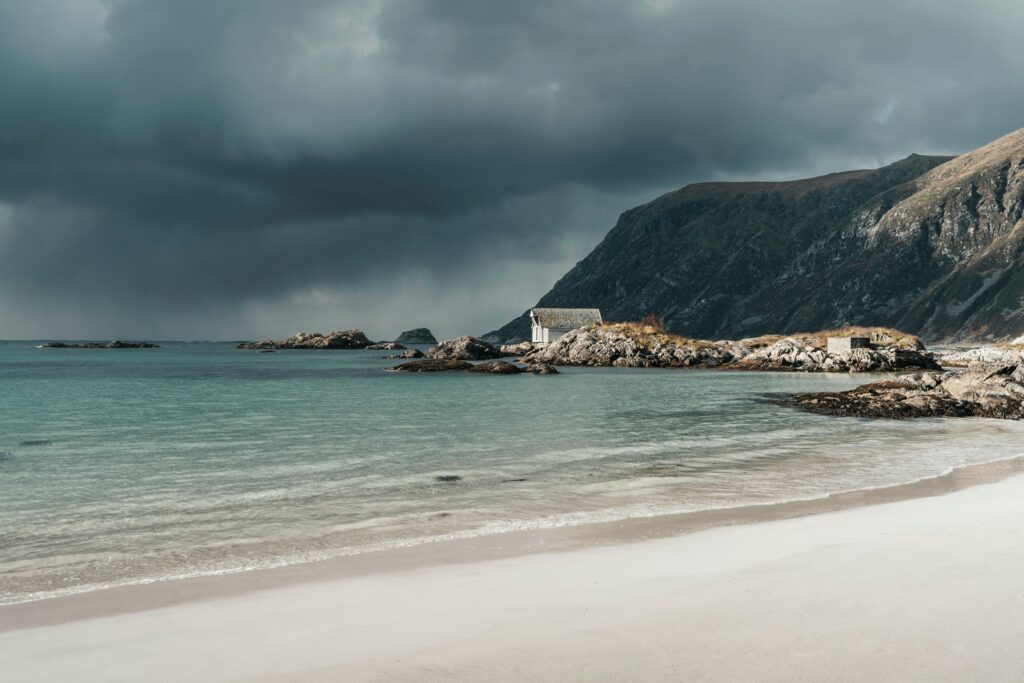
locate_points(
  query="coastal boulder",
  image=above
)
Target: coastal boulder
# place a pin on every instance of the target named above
(464, 348)
(541, 369)
(420, 335)
(496, 367)
(519, 349)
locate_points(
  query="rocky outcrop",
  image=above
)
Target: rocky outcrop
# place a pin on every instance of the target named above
(465, 348)
(796, 354)
(342, 339)
(385, 346)
(979, 391)
(993, 355)
(420, 335)
(115, 344)
(625, 345)
(928, 244)
(520, 349)
(638, 345)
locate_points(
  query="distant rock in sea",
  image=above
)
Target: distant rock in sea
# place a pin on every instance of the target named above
(465, 348)
(385, 346)
(115, 344)
(343, 339)
(420, 335)
(981, 390)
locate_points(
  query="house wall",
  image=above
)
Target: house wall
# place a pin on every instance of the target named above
(846, 344)
(545, 335)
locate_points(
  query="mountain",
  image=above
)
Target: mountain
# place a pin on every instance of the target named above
(931, 245)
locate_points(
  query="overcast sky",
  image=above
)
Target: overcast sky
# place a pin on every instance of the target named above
(197, 169)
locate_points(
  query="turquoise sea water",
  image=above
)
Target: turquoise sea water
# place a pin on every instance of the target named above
(118, 466)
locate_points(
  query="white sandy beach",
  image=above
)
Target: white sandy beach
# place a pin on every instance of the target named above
(924, 589)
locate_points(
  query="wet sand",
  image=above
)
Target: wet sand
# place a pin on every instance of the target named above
(920, 581)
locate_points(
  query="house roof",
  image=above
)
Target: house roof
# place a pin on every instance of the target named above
(565, 318)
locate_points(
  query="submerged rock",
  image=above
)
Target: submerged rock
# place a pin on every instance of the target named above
(464, 348)
(420, 335)
(339, 339)
(979, 391)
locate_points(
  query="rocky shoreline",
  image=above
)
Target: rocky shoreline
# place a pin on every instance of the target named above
(636, 345)
(980, 390)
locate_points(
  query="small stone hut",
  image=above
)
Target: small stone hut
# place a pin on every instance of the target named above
(551, 323)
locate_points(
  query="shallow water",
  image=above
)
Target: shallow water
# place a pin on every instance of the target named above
(119, 466)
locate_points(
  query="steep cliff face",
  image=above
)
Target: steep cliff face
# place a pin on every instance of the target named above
(931, 245)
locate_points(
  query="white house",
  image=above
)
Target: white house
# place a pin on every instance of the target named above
(551, 323)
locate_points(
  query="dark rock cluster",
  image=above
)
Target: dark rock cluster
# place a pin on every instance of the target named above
(341, 339)
(115, 344)
(980, 390)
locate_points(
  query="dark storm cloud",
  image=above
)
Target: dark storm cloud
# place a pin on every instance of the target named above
(205, 159)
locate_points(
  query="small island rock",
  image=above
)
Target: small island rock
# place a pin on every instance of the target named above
(420, 335)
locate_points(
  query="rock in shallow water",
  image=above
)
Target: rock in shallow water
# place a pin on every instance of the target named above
(496, 367)
(433, 365)
(979, 391)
